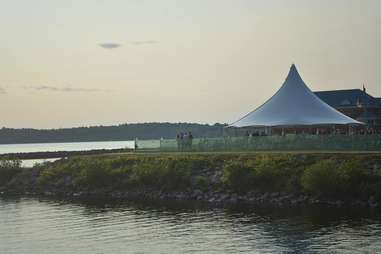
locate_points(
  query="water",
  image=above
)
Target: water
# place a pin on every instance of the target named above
(59, 147)
(46, 226)
(32, 162)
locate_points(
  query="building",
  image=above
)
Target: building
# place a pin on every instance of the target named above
(355, 103)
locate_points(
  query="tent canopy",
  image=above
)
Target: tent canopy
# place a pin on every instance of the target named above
(294, 104)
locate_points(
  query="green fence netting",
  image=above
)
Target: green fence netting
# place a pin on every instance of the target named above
(270, 143)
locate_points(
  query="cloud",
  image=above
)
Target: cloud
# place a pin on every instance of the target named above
(64, 89)
(109, 45)
(139, 43)
(135, 43)
(2, 91)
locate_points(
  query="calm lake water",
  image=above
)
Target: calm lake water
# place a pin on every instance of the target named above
(58, 147)
(30, 225)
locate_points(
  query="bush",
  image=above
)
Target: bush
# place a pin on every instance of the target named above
(277, 173)
(95, 175)
(266, 173)
(163, 173)
(334, 178)
(9, 169)
(201, 182)
(322, 178)
(239, 176)
(120, 173)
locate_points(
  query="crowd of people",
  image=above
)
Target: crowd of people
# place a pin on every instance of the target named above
(184, 141)
(255, 134)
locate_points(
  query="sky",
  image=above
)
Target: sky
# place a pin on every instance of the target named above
(104, 62)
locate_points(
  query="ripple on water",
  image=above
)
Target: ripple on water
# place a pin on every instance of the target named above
(35, 226)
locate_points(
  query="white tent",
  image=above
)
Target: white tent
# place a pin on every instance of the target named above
(294, 104)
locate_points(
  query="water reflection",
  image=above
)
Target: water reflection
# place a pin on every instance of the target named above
(34, 226)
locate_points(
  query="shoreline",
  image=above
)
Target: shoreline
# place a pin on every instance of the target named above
(266, 180)
(262, 200)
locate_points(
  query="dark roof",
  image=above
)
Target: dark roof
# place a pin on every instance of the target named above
(348, 98)
(378, 101)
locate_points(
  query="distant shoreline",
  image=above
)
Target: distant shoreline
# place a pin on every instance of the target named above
(122, 132)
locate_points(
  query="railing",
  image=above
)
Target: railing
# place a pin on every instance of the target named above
(270, 143)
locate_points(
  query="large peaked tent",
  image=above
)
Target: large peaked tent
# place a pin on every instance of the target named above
(294, 104)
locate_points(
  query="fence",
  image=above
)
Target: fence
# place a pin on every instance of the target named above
(267, 143)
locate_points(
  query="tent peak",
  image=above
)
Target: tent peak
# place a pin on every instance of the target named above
(293, 69)
(293, 74)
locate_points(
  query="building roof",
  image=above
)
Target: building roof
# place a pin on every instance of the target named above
(348, 98)
(378, 100)
(294, 104)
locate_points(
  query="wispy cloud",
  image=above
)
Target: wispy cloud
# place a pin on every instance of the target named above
(113, 45)
(64, 89)
(139, 43)
(109, 45)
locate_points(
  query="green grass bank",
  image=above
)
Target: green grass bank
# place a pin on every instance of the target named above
(276, 179)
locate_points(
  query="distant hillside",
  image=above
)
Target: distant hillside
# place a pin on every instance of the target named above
(108, 133)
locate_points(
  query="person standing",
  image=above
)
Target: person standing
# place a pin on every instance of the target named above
(178, 142)
(190, 140)
(136, 144)
(181, 141)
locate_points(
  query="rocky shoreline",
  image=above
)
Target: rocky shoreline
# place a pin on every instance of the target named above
(220, 199)
(216, 180)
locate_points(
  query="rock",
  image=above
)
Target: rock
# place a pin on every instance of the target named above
(211, 200)
(233, 198)
(215, 178)
(197, 193)
(77, 194)
(224, 197)
(374, 205)
(275, 194)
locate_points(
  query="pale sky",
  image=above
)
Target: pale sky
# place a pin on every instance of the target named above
(102, 62)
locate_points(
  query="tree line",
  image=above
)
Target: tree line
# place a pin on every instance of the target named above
(108, 133)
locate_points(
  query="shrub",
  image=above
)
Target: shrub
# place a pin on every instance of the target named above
(95, 175)
(9, 169)
(266, 173)
(334, 178)
(201, 182)
(239, 176)
(277, 173)
(322, 178)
